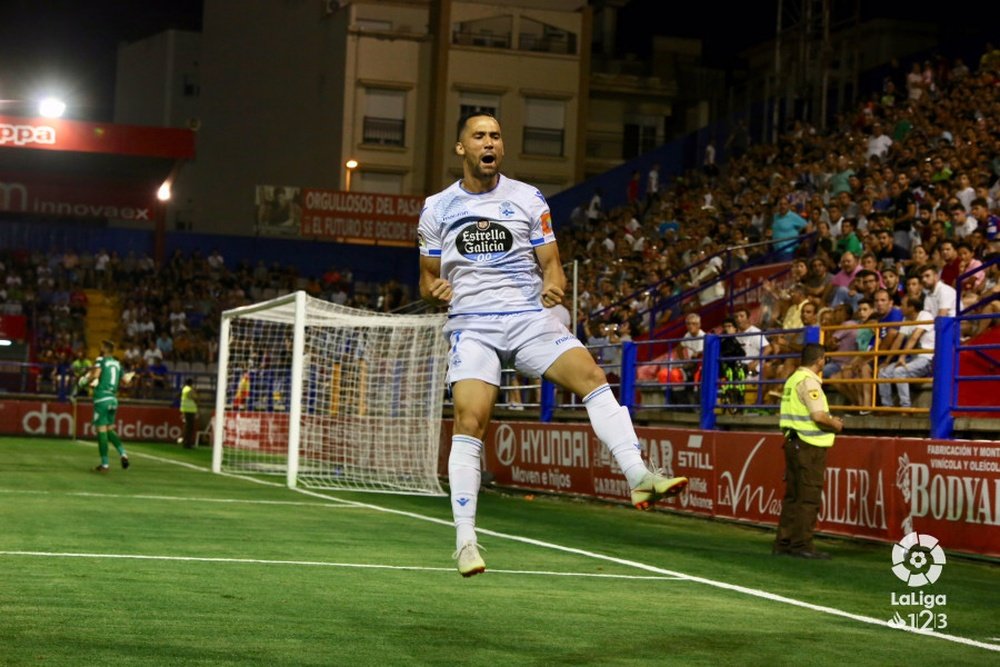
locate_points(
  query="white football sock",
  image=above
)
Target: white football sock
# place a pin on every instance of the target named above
(464, 475)
(613, 426)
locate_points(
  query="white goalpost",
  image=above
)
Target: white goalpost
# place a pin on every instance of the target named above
(330, 397)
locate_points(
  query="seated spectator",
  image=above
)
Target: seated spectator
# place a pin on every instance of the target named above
(165, 343)
(151, 353)
(907, 364)
(940, 298)
(886, 313)
(692, 345)
(967, 262)
(890, 276)
(858, 367)
(849, 268)
(889, 254)
(848, 241)
(756, 348)
(792, 343)
(949, 268)
(838, 340)
(159, 378)
(984, 302)
(817, 282)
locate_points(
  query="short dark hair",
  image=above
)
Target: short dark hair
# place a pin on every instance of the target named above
(108, 345)
(929, 267)
(811, 353)
(741, 309)
(866, 273)
(466, 117)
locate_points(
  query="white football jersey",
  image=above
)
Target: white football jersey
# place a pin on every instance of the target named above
(486, 243)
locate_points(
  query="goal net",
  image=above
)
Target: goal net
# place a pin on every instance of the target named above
(330, 397)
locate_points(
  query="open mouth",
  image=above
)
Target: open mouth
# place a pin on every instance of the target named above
(489, 159)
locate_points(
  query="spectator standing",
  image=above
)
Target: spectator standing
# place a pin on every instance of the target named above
(653, 180)
(878, 143)
(786, 225)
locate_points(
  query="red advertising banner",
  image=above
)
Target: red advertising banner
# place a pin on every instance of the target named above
(52, 419)
(876, 488)
(360, 217)
(256, 431)
(57, 196)
(13, 327)
(56, 134)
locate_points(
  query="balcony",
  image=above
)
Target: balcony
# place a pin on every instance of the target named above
(384, 131)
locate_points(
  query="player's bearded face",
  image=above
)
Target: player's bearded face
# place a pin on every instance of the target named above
(483, 147)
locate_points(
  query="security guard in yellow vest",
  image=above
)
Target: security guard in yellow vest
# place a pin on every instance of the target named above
(189, 411)
(809, 432)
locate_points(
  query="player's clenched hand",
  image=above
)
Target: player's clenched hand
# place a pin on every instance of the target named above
(552, 295)
(440, 290)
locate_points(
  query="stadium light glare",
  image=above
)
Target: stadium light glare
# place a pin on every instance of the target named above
(163, 193)
(52, 107)
(5, 343)
(351, 165)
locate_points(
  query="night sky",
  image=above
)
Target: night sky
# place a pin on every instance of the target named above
(69, 46)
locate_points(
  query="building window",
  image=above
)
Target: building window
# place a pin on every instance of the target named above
(385, 117)
(544, 127)
(478, 102)
(639, 138)
(373, 181)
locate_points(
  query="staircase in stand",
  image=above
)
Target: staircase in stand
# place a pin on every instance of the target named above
(103, 320)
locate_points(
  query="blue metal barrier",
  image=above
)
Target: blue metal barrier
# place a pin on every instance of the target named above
(943, 388)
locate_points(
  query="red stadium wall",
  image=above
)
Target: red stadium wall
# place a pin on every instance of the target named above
(52, 419)
(876, 488)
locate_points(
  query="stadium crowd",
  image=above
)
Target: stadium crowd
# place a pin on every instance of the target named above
(896, 200)
(169, 314)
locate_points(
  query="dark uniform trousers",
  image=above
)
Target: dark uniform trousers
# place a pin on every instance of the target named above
(805, 465)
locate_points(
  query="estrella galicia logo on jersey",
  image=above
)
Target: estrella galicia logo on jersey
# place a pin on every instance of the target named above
(506, 209)
(484, 241)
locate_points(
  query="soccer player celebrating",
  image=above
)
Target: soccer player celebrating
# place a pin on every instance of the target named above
(488, 252)
(108, 374)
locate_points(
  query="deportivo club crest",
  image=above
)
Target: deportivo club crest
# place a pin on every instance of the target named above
(506, 209)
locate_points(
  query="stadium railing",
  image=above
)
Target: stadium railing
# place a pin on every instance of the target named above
(711, 391)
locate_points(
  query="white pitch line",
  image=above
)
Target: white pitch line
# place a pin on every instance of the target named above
(314, 563)
(194, 499)
(753, 592)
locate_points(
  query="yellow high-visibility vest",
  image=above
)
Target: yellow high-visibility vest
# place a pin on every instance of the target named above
(795, 415)
(187, 401)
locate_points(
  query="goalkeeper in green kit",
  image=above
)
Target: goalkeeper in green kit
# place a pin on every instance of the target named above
(107, 373)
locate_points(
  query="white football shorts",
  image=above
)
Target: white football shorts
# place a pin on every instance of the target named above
(481, 345)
